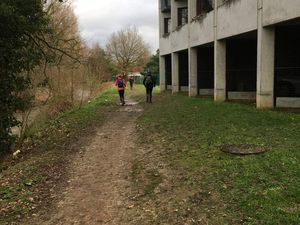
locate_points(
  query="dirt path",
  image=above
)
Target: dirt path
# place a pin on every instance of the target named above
(99, 178)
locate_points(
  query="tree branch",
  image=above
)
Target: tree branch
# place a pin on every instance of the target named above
(51, 47)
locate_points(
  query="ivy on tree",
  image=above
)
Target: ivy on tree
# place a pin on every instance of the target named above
(19, 53)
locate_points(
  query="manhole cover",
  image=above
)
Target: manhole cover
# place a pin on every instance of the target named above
(243, 149)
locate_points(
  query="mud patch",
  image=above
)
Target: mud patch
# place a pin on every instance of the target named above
(130, 106)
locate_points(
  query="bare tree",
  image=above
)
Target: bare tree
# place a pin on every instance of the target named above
(70, 73)
(98, 63)
(66, 38)
(128, 50)
(61, 49)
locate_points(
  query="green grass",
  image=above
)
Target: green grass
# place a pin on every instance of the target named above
(253, 189)
(25, 183)
(79, 116)
(181, 176)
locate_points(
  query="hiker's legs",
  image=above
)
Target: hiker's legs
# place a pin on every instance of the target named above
(121, 94)
(123, 100)
(150, 94)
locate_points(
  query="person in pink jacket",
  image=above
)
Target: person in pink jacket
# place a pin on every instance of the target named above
(121, 84)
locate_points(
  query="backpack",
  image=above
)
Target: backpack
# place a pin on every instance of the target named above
(148, 81)
(120, 83)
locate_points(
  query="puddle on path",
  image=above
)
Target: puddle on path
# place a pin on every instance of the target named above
(130, 106)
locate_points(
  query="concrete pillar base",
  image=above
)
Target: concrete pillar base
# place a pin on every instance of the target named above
(264, 100)
(175, 89)
(219, 95)
(162, 87)
(193, 91)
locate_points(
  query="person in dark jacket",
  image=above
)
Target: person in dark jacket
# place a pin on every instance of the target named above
(149, 83)
(131, 80)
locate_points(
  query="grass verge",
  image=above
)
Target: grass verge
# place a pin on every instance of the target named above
(29, 183)
(199, 184)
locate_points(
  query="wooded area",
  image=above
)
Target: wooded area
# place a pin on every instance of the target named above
(45, 64)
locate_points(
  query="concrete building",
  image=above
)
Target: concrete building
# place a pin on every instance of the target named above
(232, 49)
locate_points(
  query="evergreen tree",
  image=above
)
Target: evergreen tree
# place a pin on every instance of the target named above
(153, 64)
(20, 22)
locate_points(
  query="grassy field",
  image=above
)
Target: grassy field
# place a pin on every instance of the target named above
(184, 178)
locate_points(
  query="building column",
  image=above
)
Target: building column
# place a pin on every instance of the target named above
(193, 81)
(265, 63)
(175, 72)
(162, 73)
(219, 61)
(220, 70)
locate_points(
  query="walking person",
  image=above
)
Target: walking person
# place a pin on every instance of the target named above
(149, 83)
(131, 80)
(121, 84)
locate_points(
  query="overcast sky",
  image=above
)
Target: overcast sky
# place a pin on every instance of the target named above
(98, 19)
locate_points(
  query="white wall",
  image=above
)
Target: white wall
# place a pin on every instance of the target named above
(275, 11)
(165, 45)
(236, 17)
(202, 30)
(179, 38)
(233, 17)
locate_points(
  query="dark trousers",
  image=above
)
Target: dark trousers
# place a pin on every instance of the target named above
(121, 94)
(131, 84)
(149, 93)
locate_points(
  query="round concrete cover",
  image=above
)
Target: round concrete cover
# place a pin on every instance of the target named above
(243, 149)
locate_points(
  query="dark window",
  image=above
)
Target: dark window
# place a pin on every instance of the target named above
(182, 16)
(168, 67)
(287, 61)
(205, 70)
(199, 7)
(165, 5)
(241, 59)
(183, 68)
(204, 6)
(167, 25)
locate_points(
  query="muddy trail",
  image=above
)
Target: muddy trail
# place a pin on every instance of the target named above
(99, 180)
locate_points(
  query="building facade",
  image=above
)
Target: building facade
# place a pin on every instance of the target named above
(232, 49)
